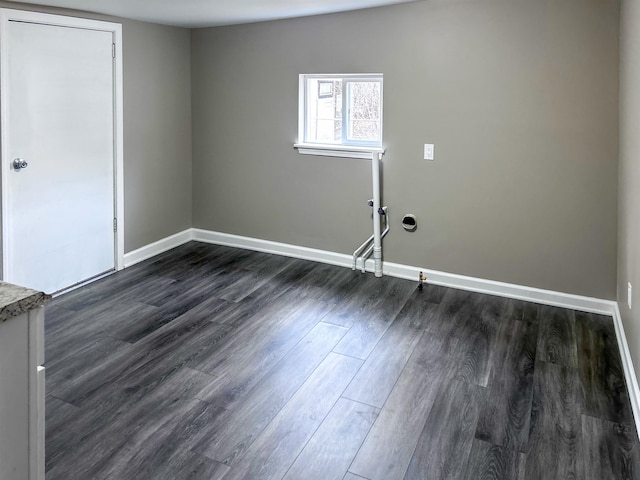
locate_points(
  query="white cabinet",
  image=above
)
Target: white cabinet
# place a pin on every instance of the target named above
(22, 396)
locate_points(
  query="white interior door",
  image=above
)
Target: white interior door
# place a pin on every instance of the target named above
(58, 117)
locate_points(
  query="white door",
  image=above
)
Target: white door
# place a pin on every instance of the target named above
(58, 154)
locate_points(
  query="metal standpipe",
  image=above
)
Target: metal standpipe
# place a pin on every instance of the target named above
(382, 211)
(374, 242)
(377, 238)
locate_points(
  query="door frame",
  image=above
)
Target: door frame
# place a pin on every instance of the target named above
(7, 15)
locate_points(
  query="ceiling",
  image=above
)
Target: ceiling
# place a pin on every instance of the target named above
(207, 13)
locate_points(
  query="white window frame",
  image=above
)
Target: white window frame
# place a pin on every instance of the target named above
(348, 149)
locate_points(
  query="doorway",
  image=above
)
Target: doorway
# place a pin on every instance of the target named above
(62, 199)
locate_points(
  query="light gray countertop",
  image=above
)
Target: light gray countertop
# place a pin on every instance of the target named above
(15, 300)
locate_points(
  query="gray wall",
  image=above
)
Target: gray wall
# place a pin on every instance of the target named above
(520, 99)
(157, 127)
(157, 138)
(629, 174)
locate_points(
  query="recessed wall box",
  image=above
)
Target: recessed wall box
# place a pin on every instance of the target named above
(409, 222)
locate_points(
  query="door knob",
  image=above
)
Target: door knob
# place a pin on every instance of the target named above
(19, 164)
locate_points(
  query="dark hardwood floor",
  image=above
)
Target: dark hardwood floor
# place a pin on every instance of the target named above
(209, 362)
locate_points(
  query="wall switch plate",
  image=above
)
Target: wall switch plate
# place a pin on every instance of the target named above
(629, 293)
(428, 151)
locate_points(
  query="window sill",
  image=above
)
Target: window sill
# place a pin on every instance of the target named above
(337, 150)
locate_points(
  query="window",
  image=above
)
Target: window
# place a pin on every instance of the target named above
(340, 110)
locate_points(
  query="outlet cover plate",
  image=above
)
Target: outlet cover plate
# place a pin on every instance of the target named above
(429, 151)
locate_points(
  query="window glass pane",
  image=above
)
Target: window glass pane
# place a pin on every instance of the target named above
(342, 110)
(364, 111)
(324, 111)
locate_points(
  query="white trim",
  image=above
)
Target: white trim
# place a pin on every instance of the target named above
(156, 248)
(302, 106)
(352, 149)
(82, 284)
(502, 289)
(6, 15)
(435, 277)
(268, 246)
(119, 144)
(491, 287)
(56, 20)
(337, 150)
(627, 365)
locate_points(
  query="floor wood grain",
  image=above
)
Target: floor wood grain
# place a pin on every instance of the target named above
(601, 372)
(447, 437)
(277, 447)
(380, 372)
(555, 440)
(493, 462)
(557, 338)
(209, 363)
(233, 434)
(387, 450)
(334, 445)
(505, 418)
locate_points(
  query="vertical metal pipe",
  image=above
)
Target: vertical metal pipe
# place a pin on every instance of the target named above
(377, 240)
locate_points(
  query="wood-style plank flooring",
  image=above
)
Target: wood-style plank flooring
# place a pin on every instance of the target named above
(209, 362)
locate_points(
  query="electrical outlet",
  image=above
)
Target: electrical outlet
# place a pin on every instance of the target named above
(428, 151)
(629, 294)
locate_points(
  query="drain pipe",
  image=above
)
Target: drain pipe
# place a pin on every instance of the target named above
(356, 254)
(358, 250)
(383, 211)
(377, 238)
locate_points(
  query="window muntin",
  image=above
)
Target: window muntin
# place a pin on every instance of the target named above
(341, 110)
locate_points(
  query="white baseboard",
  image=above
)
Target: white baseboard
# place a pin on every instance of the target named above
(627, 365)
(267, 246)
(491, 287)
(156, 248)
(509, 290)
